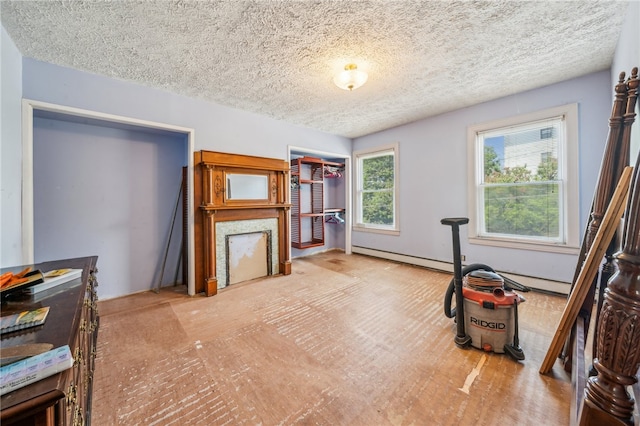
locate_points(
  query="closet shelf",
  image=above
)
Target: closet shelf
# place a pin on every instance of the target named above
(328, 211)
(307, 199)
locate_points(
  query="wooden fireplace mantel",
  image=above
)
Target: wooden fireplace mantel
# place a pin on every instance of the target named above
(214, 202)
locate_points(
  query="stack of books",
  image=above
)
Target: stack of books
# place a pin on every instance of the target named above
(21, 365)
(35, 281)
(24, 319)
(54, 278)
(34, 368)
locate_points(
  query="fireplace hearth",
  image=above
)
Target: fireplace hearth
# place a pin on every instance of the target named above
(239, 255)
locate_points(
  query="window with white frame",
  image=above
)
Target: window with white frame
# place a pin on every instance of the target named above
(523, 181)
(376, 189)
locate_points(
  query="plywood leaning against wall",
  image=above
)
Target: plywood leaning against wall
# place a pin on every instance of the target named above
(216, 201)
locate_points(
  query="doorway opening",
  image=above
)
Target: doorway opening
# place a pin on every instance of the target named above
(34, 110)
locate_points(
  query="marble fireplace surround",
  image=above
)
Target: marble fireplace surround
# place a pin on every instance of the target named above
(224, 230)
(219, 213)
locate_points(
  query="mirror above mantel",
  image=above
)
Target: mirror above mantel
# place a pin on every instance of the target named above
(247, 186)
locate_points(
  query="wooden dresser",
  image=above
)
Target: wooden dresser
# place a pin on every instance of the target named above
(64, 398)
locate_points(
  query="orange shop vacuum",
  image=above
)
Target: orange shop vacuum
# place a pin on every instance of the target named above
(486, 305)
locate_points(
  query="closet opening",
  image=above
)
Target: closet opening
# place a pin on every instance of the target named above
(320, 194)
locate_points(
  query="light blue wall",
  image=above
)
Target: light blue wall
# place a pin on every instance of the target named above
(217, 128)
(627, 53)
(111, 192)
(626, 58)
(10, 152)
(433, 176)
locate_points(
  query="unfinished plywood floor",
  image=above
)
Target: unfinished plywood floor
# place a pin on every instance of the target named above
(343, 340)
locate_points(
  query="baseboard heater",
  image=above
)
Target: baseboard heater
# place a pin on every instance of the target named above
(531, 282)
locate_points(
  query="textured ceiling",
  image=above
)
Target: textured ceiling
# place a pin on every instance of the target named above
(278, 58)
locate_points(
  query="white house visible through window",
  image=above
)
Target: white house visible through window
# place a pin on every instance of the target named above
(376, 189)
(546, 133)
(523, 181)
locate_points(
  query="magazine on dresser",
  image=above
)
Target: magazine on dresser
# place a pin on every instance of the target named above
(25, 319)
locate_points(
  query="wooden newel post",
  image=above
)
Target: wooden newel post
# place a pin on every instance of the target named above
(618, 351)
(617, 356)
(616, 156)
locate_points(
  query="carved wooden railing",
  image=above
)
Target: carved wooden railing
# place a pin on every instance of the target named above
(619, 158)
(616, 156)
(617, 349)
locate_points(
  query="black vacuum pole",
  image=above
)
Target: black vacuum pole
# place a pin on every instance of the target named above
(462, 339)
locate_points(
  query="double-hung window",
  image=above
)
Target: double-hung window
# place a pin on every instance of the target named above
(376, 189)
(523, 184)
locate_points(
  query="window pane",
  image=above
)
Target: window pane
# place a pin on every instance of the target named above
(530, 210)
(523, 185)
(375, 201)
(377, 172)
(520, 180)
(522, 154)
(377, 208)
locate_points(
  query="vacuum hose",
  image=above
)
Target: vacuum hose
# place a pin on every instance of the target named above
(448, 296)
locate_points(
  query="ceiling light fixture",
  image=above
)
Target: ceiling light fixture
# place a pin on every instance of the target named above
(351, 78)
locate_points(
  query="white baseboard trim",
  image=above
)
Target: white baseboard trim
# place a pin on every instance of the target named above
(531, 282)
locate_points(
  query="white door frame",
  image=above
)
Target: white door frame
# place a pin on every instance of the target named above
(28, 108)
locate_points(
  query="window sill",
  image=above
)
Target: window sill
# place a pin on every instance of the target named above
(522, 245)
(357, 228)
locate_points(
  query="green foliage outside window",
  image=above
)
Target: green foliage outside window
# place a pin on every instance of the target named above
(528, 209)
(377, 190)
(519, 203)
